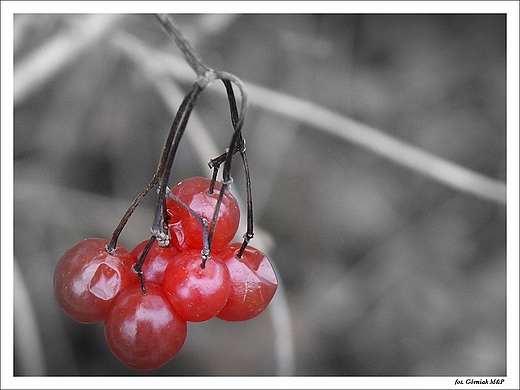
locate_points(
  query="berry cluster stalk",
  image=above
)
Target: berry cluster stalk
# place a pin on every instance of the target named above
(159, 228)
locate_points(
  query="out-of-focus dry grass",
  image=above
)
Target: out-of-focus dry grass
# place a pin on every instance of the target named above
(386, 272)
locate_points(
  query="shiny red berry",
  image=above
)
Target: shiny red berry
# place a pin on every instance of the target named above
(253, 283)
(196, 294)
(87, 279)
(144, 331)
(186, 229)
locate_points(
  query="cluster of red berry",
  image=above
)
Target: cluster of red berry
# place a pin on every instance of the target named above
(145, 309)
(188, 270)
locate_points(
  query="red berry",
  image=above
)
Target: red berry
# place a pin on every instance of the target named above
(87, 279)
(144, 331)
(156, 260)
(196, 294)
(186, 229)
(253, 283)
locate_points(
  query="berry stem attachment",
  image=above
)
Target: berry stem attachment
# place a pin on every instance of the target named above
(225, 186)
(248, 235)
(138, 267)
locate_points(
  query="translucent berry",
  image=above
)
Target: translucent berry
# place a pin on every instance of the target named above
(87, 279)
(186, 229)
(144, 331)
(196, 294)
(253, 283)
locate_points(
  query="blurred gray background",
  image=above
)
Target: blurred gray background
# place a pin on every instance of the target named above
(384, 271)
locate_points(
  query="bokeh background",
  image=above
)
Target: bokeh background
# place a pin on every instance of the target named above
(383, 271)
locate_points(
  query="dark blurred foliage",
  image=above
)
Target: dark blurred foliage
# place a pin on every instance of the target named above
(386, 272)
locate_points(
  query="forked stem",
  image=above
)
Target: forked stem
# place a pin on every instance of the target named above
(159, 228)
(138, 267)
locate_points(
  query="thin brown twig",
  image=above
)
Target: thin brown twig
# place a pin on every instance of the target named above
(190, 54)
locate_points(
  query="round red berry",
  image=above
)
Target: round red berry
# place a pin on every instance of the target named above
(197, 294)
(253, 283)
(186, 229)
(144, 331)
(87, 279)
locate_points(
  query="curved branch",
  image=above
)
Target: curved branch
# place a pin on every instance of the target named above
(415, 159)
(58, 52)
(397, 151)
